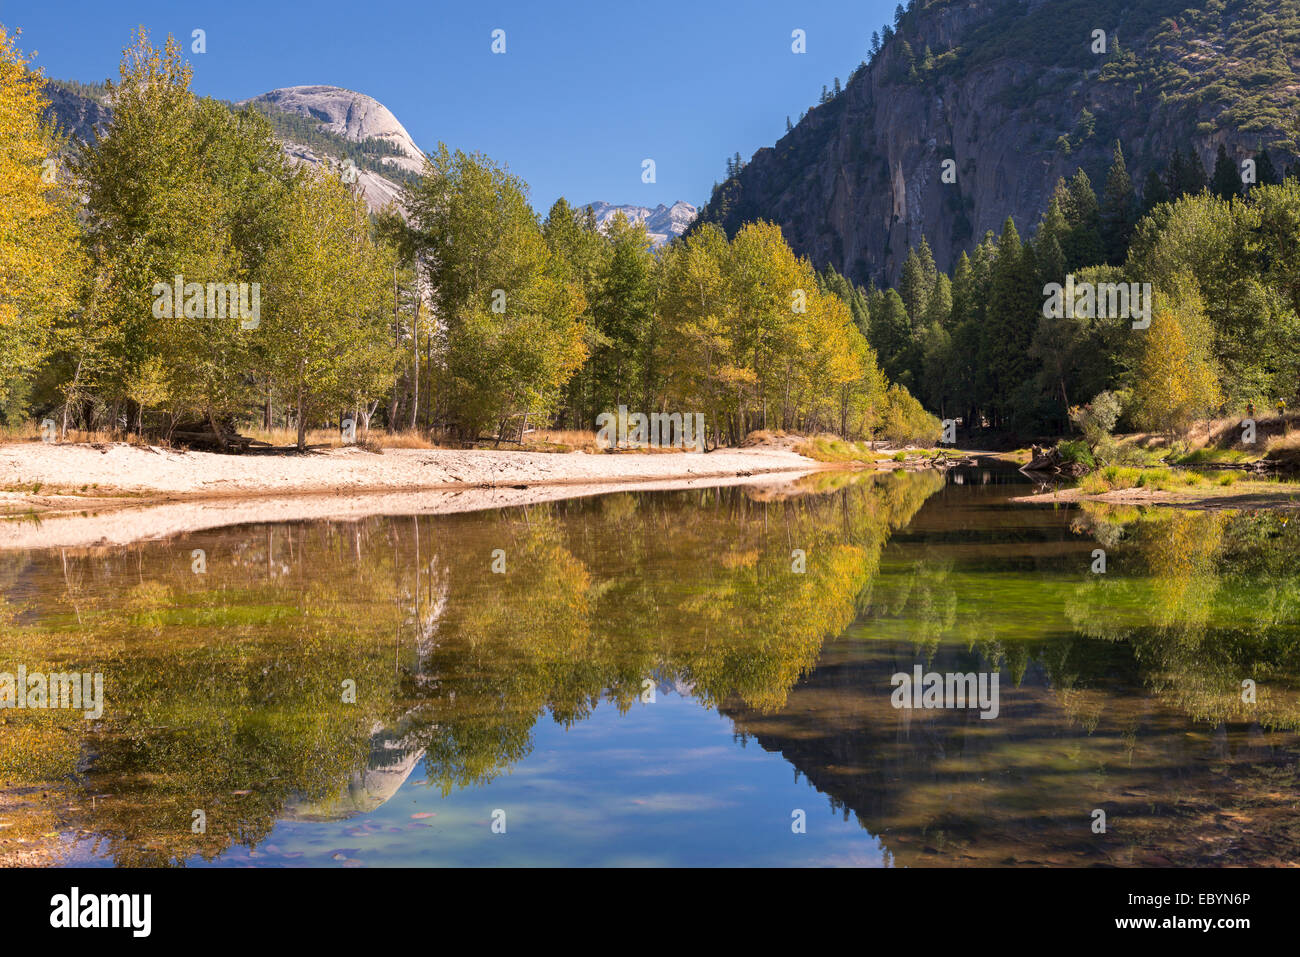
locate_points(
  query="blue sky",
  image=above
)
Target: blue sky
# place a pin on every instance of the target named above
(584, 92)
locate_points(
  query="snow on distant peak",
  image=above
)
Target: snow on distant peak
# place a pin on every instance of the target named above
(662, 223)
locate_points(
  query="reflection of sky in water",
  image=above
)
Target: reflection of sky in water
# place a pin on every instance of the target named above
(1119, 691)
(664, 784)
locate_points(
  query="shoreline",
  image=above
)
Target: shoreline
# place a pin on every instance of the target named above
(132, 522)
(83, 495)
(1242, 495)
(119, 470)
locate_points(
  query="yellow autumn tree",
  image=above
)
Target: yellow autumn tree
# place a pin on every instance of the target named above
(39, 262)
(1176, 380)
(747, 332)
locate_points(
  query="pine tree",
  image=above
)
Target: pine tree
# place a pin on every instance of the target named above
(1154, 192)
(907, 58)
(1118, 210)
(1265, 172)
(1225, 182)
(1186, 174)
(1007, 333)
(1082, 246)
(938, 310)
(917, 281)
(891, 336)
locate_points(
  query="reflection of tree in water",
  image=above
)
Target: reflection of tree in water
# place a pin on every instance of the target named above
(1205, 600)
(1190, 604)
(224, 688)
(694, 589)
(943, 787)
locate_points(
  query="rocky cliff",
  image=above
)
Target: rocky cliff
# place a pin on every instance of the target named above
(1015, 94)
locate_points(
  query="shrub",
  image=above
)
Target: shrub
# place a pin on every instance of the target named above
(1154, 478)
(1096, 420)
(905, 421)
(1077, 451)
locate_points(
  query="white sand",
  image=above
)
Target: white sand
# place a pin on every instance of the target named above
(161, 493)
(117, 525)
(121, 468)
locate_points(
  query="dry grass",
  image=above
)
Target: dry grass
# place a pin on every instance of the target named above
(25, 432)
(1289, 442)
(330, 438)
(561, 440)
(830, 448)
(542, 440)
(31, 432)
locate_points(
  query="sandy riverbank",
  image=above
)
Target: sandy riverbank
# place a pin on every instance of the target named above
(123, 521)
(71, 495)
(1242, 495)
(121, 469)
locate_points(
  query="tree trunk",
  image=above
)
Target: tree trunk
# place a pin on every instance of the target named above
(415, 377)
(216, 429)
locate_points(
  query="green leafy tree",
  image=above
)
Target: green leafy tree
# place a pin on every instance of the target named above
(510, 328)
(176, 187)
(326, 337)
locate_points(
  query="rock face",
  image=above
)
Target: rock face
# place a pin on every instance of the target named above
(79, 116)
(354, 116)
(662, 223)
(1014, 95)
(342, 114)
(357, 118)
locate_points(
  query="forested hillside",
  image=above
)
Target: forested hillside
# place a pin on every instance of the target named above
(1016, 95)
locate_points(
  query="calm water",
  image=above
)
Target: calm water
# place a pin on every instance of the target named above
(651, 680)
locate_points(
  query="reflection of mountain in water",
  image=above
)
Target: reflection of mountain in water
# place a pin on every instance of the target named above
(391, 760)
(945, 787)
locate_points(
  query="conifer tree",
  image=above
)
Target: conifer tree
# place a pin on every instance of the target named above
(1118, 210)
(1008, 330)
(1226, 181)
(917, 281)
(1083, 244)
(1154, 191)
(1265, 172)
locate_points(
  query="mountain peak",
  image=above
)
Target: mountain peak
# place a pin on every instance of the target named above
(662, 223)
(354, 116)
